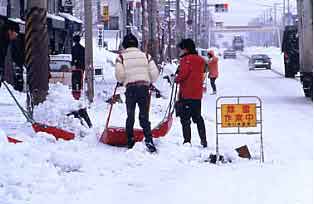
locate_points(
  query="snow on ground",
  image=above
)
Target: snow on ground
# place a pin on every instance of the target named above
(43, 170)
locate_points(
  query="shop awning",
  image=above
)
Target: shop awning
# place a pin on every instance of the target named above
(20, 22)
(55, 21)
(71, 18)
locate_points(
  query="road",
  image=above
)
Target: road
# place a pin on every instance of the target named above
(84, 171)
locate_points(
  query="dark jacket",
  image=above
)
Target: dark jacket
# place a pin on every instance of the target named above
(4, 43)
(190, 76)
(17, 51)
(78, 56)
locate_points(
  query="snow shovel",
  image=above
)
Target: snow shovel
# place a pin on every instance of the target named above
(205, 84)
(12, 140)
(39, 127)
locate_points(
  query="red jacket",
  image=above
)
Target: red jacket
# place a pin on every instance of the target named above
(213, 66)
(190, 76)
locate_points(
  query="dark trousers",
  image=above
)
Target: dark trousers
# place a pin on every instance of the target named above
(138, 94)
(192, 109)
(212, 83)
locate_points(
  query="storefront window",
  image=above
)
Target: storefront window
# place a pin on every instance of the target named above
(114, 22)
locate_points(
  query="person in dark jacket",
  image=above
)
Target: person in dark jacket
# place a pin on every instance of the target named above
(10, 53)
(78, 54)
(190, 79)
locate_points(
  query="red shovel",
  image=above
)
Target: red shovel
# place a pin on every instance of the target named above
(38, 127)
(12, 140)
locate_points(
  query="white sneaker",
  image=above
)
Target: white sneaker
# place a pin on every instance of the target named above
(187, 144)
(213, 93)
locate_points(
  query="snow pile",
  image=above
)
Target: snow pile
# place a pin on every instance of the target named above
(3, 137)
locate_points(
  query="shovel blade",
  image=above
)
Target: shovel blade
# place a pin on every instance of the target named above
(56, 132)
(12, 140)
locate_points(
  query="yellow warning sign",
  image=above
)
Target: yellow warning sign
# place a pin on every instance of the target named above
(238, 115)
(106, 13)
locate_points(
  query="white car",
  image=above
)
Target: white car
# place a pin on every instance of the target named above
(60, 69)
(203, 53)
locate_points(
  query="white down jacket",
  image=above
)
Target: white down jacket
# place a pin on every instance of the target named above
(134, 65)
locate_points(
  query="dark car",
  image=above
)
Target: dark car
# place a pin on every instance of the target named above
(230, 53)
(259, 61)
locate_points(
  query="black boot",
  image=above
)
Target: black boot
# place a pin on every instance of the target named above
(186, 134)
(150, 146)
(202, 132)
(131, 143)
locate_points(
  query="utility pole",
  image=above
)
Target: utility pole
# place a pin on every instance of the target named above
(195, 22)
(124, 16)
(190, 19)
(199, 24)
(36, 59)
(89, 50)
(169, 31)
(284, 14)
(275, 14)
(144, 26)
(152, 27)
(178, 26)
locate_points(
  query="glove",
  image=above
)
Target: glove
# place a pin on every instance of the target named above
(1, 78)
(119, 84)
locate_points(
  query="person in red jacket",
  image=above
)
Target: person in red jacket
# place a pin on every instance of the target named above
(190, 79)
(213, 70)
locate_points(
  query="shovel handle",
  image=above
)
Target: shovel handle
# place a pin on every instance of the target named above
(110, 110)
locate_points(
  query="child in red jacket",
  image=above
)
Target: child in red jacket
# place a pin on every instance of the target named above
(213, 69)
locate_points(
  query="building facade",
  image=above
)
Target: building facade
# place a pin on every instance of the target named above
(62, 25)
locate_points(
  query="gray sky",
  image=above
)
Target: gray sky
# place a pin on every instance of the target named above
(242, 11)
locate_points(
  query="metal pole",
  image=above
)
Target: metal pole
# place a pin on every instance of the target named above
(275, 14)
(195, 22)
(178, 25)
(169, 31)
(36, 58)
(284, 14)
(152, 27)
(144, 25)
(89, 50)
(124, 16)
(199, 25)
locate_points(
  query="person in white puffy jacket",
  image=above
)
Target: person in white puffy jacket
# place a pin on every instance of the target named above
(136, 70)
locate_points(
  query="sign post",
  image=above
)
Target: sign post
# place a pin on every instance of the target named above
(238, 114)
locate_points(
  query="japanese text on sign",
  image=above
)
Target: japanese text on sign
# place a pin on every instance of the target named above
(238, 115)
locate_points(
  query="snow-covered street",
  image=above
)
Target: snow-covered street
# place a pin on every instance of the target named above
(43, 170)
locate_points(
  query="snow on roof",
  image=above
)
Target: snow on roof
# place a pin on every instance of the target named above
(52, 16)
(70, 17)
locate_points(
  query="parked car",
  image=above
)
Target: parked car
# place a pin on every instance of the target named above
(60, 68)
(230, 53)
(259, 61)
